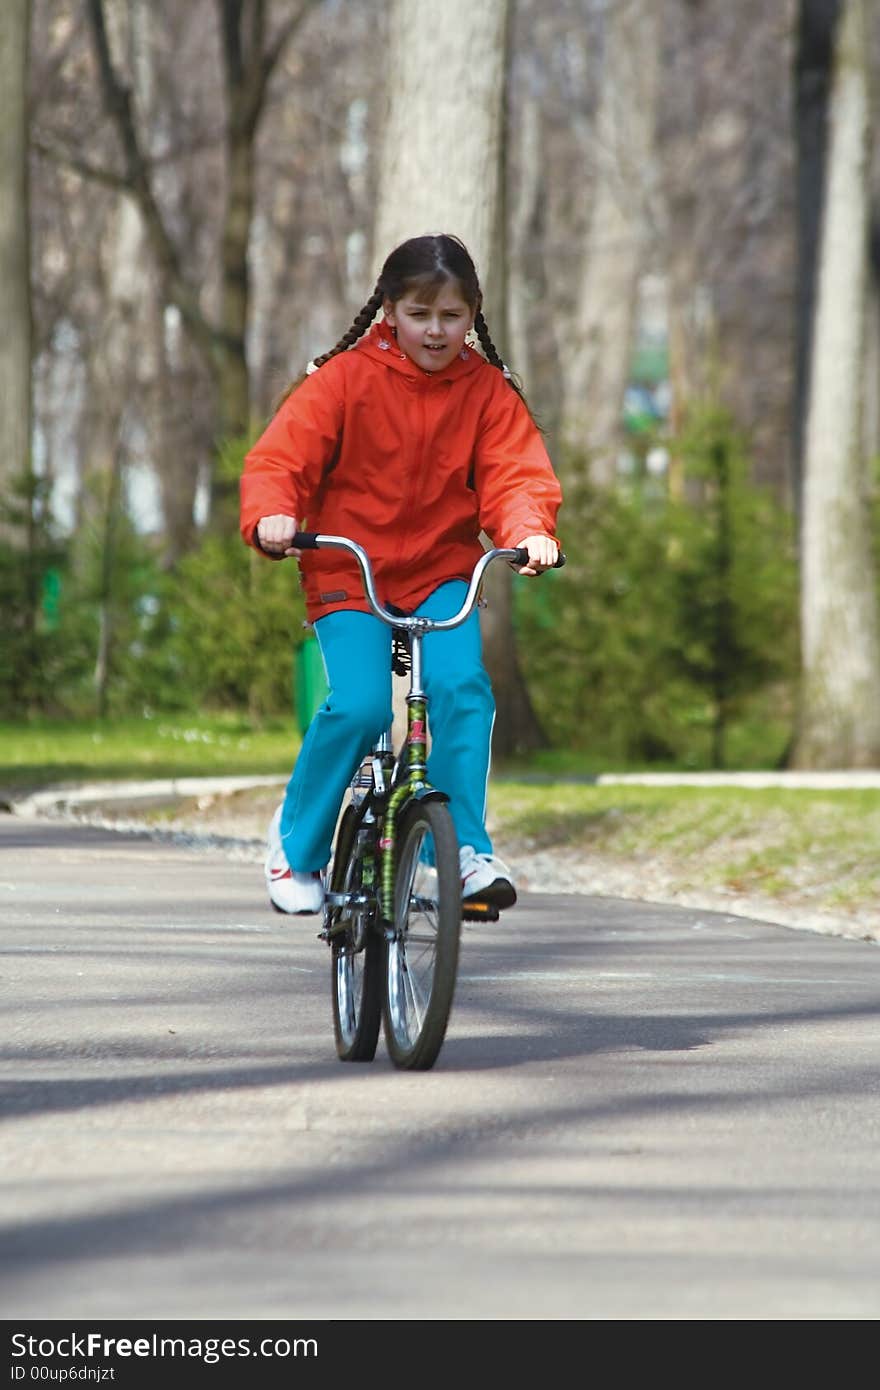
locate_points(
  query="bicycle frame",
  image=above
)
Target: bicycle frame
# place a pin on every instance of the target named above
(392, 903)
(415, 745)
(416, 783)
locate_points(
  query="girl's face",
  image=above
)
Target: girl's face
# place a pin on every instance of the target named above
(431, 335)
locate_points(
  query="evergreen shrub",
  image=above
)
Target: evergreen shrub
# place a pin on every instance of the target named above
(672, 614)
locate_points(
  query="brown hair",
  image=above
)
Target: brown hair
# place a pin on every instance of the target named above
(424, 264)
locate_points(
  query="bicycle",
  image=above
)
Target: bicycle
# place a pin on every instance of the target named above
(393, 907)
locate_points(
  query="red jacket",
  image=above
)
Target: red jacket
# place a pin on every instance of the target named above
(411, 464)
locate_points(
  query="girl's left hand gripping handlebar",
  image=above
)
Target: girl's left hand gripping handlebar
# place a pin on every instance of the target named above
(521, 557)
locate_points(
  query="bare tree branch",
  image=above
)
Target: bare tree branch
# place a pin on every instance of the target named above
(247, 68)
(53, 147)
(285, 33)
(136, 179)
(230, 28)
(250, 67)
(107, 177)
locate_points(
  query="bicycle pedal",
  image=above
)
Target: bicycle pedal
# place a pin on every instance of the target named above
(479, 912)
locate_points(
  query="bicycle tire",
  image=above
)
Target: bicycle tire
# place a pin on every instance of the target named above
(421, 962)
(356, 958)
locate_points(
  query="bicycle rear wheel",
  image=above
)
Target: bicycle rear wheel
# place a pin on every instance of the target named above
(422, 959)
(356, 949)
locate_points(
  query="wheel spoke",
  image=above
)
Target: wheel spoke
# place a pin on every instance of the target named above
(425, 942)
(357, 999)
(415, 947)
(418, 1002)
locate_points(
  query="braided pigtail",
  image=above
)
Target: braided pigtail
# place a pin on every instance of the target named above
(359, 326)
(481, 328)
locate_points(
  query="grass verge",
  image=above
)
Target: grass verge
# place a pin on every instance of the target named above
(816, 849)
(46, 753)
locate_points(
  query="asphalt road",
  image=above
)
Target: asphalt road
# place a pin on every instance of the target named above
(640, 1112)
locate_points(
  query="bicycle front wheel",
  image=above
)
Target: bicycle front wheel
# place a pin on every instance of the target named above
(356, 948)
(422, 958)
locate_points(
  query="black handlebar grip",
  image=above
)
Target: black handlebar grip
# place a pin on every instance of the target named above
(522, 558)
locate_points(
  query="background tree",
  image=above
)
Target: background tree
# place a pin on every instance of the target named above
(441, 169)
(617, 248)
(839, 724)
(724, 145)
(249, 55)
(441, 148)
(15, 303)
(814, 61)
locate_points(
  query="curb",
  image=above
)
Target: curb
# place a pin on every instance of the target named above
(66, 797)
(54, 798)
(815, 781)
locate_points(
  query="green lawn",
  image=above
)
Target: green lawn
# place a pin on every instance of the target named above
(817, 848)
(47, 753)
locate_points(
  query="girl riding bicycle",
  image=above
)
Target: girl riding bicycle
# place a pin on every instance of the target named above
(409, 441)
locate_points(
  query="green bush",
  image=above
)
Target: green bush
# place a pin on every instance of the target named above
(597, 638)
(671, 617)
(236, 619)
(33, 652)
(735, 576)
(217, 632)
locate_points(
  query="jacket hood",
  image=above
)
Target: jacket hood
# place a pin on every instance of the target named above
(380, 344)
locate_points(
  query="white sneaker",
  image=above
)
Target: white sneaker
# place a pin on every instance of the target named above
(485, 879)
(289, 891)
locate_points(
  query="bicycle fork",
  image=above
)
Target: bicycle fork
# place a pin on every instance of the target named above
(372, 783)
(368, 786)
(416, 784)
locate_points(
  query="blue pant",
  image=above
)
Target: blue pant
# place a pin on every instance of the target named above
(356, 648)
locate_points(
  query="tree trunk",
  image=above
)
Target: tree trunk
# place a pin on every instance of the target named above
(597, 365)
(15, 302)
(441, 169)
(521, 217)
(249, 59)
(180, 380)
(813, 68)
(243, 63)
(110, 505)
(839, 723)
(688, 299)
(440, 159)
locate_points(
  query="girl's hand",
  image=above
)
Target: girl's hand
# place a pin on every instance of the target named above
(543, 554)
(275, 534)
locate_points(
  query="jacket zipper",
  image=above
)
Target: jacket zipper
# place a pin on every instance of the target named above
(418, 469)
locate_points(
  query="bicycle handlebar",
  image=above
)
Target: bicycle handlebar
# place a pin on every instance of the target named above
(312, 540)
